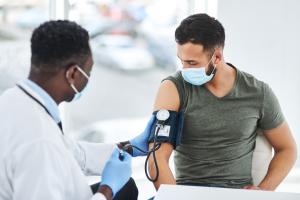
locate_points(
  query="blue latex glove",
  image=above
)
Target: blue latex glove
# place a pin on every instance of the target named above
(141, 141)
(116, 173)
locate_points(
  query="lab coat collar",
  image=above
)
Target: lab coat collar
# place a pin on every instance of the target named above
(43, 97)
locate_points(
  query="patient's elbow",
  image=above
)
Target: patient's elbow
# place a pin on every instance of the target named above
(294, 153)
(161, 162)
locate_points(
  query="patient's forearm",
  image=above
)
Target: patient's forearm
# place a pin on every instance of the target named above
(165, 173)
(279, 167)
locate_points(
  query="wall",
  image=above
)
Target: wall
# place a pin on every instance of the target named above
(263, 38)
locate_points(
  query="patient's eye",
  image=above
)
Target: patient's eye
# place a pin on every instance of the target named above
(192, 63)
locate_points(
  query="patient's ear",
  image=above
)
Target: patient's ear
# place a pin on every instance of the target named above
(218, 56)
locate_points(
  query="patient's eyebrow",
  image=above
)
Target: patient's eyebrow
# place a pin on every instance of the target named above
(185, 60)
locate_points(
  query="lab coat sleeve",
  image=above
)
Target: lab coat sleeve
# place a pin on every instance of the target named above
(38, 172)
(91, 157)
(96, 155)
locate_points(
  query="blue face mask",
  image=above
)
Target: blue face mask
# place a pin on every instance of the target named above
(197, 76)
(77, 93)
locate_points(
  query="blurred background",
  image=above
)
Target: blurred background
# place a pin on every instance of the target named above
(134, 49)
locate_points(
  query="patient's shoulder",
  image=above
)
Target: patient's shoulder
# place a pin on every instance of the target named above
(167, 96)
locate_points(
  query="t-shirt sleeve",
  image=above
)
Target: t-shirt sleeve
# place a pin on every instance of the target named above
(271, 114)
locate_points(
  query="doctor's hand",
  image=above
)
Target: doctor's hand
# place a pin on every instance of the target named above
(116, 173)
(141, 141)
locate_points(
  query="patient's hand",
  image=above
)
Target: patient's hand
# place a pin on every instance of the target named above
(252, 187)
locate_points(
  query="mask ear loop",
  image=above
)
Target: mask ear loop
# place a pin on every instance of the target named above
(71, 84)
(74, 88)
(215, 68)
(83, 72)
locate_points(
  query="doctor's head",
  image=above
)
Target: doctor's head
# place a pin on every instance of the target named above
(61, 58)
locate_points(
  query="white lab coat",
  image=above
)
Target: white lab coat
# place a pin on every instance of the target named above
(37, 162)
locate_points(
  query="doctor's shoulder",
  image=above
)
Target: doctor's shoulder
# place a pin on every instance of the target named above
(23, 118)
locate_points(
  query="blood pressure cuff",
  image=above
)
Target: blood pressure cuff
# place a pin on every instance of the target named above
(171, 132)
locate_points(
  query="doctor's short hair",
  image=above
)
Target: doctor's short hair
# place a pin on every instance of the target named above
(201, 29)
(59, 44)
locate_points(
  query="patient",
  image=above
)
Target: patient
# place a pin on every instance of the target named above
(223, 108)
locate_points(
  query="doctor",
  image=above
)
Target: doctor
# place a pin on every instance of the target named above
(37, 160)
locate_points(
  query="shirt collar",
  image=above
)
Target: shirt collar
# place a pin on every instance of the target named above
(44, 98)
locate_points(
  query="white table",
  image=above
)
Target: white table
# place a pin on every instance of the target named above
(173, 192)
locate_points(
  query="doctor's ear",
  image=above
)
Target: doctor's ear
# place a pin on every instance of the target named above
(70, 74)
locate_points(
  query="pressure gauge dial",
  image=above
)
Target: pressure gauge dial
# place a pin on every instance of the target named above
(163, 115)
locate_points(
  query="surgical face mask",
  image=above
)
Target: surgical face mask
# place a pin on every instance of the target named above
(77, 93)
(197, 76)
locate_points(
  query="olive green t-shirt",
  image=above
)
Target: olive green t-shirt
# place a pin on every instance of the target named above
(219, 134)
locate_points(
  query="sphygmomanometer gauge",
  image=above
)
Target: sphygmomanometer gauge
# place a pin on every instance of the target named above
(163, 115)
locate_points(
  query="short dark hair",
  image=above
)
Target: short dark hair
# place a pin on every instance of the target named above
(57, 44)
(201, 29)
